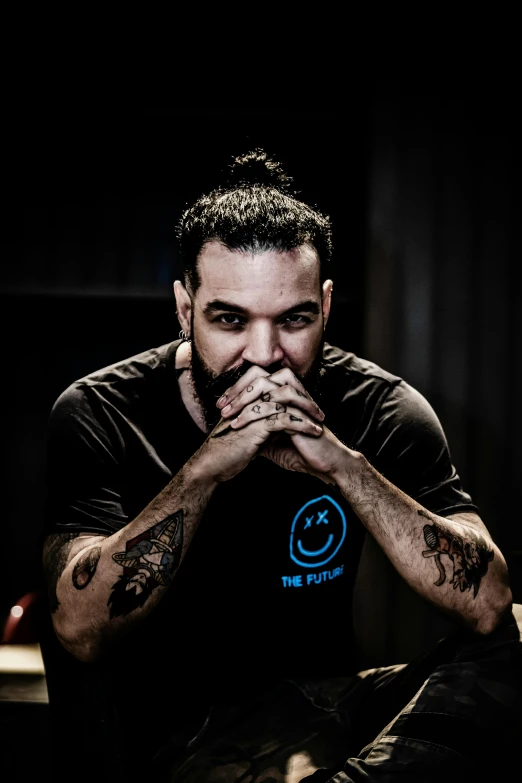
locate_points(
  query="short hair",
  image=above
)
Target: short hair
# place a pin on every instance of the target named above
(254, 211)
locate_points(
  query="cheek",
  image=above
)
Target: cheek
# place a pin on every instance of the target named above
(216, 348)
(301, 348)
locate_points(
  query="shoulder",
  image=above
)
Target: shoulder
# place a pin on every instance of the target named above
(141, 366)
(347, 375)
(124, 380)
(354, 373)
(375, 398)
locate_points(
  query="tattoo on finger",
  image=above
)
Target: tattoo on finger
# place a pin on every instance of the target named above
(256, 409)
(266, 396)
(294, 418)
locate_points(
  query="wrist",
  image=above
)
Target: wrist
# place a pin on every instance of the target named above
(347, 468)
(196, 476)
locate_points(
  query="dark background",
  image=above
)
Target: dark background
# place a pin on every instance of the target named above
(421, 177)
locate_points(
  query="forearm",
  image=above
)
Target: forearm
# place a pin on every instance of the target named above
(456, 566)
(106, 586)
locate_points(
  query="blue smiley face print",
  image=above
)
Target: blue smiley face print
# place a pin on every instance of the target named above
(318, 530)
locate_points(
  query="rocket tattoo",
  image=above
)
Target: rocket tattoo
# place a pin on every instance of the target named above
(149, 560)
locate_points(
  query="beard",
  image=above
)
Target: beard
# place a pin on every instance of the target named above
(209, 386)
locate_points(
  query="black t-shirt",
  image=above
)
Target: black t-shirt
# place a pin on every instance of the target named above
(265, 589)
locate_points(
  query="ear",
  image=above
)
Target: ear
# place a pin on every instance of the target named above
(183, 306)
(327, 300)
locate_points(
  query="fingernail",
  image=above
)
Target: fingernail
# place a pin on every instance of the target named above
(221, 399)
(226, 410)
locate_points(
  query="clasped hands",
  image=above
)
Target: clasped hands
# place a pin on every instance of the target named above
(300, 440)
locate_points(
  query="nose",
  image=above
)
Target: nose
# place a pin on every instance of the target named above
(262, 345)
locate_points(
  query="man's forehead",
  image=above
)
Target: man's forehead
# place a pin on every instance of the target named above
(282, 274)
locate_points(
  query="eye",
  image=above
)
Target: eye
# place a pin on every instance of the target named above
(296, 320)
(229, 319)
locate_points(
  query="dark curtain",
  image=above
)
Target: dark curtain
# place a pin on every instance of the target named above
(443, 309)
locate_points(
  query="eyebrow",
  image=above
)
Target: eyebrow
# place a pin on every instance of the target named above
(217, 305)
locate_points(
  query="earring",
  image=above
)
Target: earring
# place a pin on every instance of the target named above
(183, 337)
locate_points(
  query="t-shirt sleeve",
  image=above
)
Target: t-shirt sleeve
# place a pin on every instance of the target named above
(409, 447)
(82, 473)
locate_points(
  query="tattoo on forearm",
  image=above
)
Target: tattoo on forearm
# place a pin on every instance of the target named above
(85, 567)
(149, 560)
(55, 557)
(469, 555)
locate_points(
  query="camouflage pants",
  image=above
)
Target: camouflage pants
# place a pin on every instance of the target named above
(451, 714)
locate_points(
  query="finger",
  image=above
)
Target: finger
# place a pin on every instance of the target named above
(244, 382)
(282, 377)
(260, 388)
(285, 377)
(254, 404)
(290, 421)
(249, 393)
(254, 412)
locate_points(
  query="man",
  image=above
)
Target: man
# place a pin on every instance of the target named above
(207, 505)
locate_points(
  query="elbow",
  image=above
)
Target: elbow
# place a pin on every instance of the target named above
(81, 644)
(496, 614)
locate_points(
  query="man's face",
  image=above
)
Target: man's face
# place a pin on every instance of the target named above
(267, 309)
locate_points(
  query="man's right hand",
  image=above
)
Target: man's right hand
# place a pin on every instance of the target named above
(226, 451)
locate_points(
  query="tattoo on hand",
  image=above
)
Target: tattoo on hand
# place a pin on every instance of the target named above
(149, 560)
(85, 567)
(469, 555)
